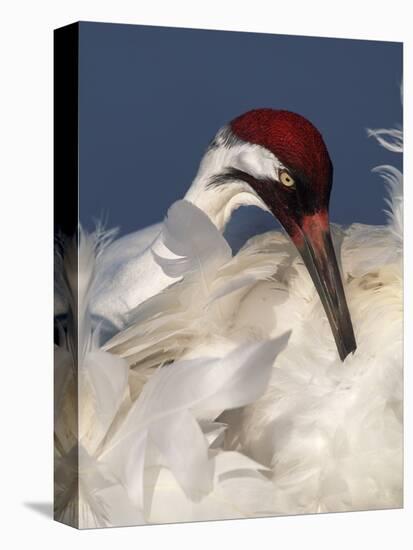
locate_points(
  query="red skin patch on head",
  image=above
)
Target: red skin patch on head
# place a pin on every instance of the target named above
(293, 139)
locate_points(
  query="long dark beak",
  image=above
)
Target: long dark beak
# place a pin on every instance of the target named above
(317, 251)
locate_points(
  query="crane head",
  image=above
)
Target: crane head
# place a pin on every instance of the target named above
(284, 161)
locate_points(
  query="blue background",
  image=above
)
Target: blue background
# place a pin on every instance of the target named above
(151, 99)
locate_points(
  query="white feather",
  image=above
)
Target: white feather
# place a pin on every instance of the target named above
(394, 181)
(90, 386)
(170, 407)
(195, 242)
(392, 139)
(201, 303)
(240, 491)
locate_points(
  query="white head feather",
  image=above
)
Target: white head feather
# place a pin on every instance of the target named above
(227, 151)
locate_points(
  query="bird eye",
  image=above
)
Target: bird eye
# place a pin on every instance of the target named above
(286, 179)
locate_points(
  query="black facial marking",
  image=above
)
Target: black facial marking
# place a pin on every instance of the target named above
(230, 175)
(288, 204)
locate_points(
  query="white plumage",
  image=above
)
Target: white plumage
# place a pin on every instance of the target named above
(219, 416)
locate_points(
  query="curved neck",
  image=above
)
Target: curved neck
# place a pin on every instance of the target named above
(217, 202)
(220, 200)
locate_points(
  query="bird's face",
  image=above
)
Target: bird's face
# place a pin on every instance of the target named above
(295, 186)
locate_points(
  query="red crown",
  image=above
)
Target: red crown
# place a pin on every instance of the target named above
(291, 138)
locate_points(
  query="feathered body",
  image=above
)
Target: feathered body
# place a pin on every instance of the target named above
(236, 403)
(330, 433)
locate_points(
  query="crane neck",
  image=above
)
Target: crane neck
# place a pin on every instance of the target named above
(220, 201)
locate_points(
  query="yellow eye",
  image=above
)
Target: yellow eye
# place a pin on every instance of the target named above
(286, 179)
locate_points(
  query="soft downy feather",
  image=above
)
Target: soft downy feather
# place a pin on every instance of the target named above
(200, 304)
(241, 489)
(90, 385)
(392, 140)
(394, 181)
(167, 418)
(169, 425)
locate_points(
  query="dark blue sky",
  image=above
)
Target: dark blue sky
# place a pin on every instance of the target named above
(151, 98)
